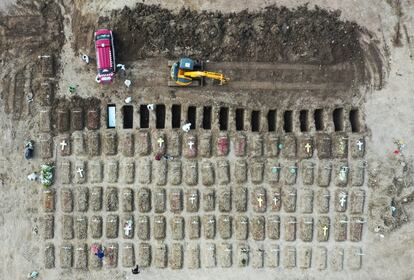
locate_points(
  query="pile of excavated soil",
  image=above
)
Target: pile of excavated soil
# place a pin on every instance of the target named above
(275, 34)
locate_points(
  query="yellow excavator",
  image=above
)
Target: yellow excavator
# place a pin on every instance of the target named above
(189, 72)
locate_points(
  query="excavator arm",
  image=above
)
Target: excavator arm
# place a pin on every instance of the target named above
(212, 75)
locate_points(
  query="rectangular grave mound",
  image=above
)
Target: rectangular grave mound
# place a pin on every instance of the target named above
(176, 256)
(289, 257)
(144, 255)
(210, 254)
(306, 229)
(143, 227)
(174, 172)
(323, 145)
(49, 256)
(174, 144)
(160, 168)
(143, 143)
(288, 146)
(96, 198)
(128, 226)
(191, 172)
(241, 227)
(205, 144)
(273, 169)
(240, 145)
(321, 255)
(209, 226)
(209, 200)
(82, 199)
(93, 119)
(144, 171)
(193, 256)
(81, 256)
(257, 225)
(95, 263)
(77, 118)
(192, 201)
(159, 227)
(275, 199)
(111, 255)
(193, 227)
(289, 195)
(48, 226)
(67, 227)
(159, 200)
(240, 199)
(111, 199)
(177, 228)
(127, 200)
(272, 256)
(66, 256)
(96, 227)
(127, 144)
(243, 252)
(240, 171)
(144, 200)
(305, 257)
(224, 199)
(112, 226)
(207, 173)
(225, 254)
(128, 255)
(322, 201)
(324, 173)
(81, 227)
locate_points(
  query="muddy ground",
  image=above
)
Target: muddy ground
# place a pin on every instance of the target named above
(318, 54)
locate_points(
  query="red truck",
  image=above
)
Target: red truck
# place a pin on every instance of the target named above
(105, 56)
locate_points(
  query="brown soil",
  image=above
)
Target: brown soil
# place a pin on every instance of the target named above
(275, 34)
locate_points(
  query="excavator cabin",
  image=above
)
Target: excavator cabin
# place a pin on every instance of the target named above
(189, 72)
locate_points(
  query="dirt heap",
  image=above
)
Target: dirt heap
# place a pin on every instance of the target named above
(275, 34)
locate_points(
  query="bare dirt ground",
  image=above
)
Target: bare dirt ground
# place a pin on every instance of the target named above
(280, 55)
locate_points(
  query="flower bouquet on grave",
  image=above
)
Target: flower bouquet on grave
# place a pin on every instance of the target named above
(46, 174)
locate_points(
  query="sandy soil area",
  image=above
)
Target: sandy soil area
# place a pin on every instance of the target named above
(376, 76)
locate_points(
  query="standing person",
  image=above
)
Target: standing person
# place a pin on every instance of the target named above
(135, 270)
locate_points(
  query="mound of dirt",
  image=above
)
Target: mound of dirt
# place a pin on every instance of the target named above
(275, 34)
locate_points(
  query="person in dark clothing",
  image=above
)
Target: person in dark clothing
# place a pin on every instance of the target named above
(135, 270)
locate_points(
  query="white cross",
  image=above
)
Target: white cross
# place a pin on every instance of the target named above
(191, 144)
(275, 199)
(194, 222)
(193, 198)
(243, 222)
(342, 173)
(211, 221)
(342, 200)
(211, 248)
(80, 172)
(160, 142)
(260, 200)
(63, 144)
(360, 144)
(127, 228)
(308, 147)
(292, 194)
(325, 229)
